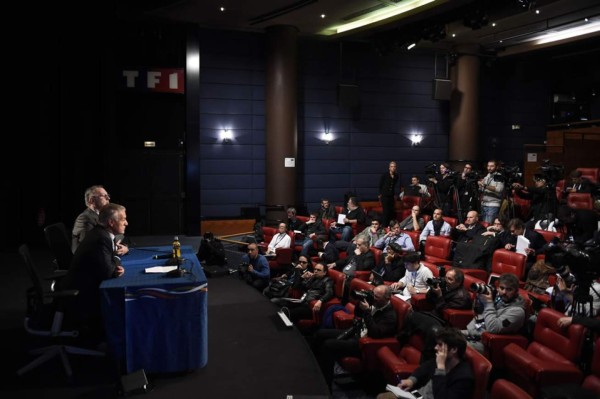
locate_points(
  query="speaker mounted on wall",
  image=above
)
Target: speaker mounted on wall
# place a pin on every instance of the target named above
(442, 89)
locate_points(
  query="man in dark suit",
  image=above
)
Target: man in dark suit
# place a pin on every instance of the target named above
(95, 198)
(93, 262)
(536, 241)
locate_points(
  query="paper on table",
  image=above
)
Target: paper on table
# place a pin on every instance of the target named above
(341, 218)
(522, 243)
(159, 269)
(400, 393)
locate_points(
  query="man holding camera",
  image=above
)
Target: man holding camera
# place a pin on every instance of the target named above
(374, 320)
(255, 268)
(542, 196)
(492, 189)
(445, 292)
(498, 311)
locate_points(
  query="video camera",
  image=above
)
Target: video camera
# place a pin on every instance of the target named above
(508, 175)
(431, 170)
(579, 259)
(550, 173)
(363, 295)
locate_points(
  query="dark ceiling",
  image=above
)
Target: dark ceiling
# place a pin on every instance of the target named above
(502, 27)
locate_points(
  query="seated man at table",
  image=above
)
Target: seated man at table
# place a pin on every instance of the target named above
(255, 268)
(93, 262)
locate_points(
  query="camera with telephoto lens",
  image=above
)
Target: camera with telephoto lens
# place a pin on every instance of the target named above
(363, 295)
(482, 288)
(439, 281)
(244, 267)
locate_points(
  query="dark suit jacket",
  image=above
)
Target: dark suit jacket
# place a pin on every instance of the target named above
(92, 263)
(83, 223)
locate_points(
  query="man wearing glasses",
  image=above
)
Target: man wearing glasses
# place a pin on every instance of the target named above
(317, 288)
(96, 198)
(255, 268)
(395, 235)
(370, 234)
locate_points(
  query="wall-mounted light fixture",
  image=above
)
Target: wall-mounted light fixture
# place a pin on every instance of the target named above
(226, 136)
(416, 139)
(327, 137)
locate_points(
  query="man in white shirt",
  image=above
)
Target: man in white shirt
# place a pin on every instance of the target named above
(436, 227)
(279, 240)
(415, 278)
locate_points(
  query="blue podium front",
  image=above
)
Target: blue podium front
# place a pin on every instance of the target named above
(154, 322)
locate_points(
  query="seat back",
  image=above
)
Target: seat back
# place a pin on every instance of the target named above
(414, 237)
(438, 247)
(408, 201)
(591, 174)
(560, 186)
(35, 294)
(549, 235)
(481, 371)
(339, 281)
(592, 381)
(450, 220)
(402, 309)
(60, 244)
(268, 233)
(505, 261)
(580, 200)
(549, 339)
(504, 389)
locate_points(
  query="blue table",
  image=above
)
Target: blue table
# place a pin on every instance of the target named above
(156, 322)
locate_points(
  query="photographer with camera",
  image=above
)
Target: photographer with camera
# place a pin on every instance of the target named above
(492, 190)
(374, 319)
(443, 183)
(280, 285)
(468, 191)
(255, 268)
(497, 310)
(316, 286)
(542, 196)
(447, 291)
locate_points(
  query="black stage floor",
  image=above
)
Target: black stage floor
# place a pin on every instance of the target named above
(251, 354)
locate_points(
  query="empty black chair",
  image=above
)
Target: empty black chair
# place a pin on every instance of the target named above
(60, 244)
(44, 318)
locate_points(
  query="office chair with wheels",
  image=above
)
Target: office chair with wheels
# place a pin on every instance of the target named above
(44, 318)
(60, 244)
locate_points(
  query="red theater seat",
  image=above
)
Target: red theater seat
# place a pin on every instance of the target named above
(593, 174)
(580, 201)
(505, 261)
(437, 250)
(551, 358)
(504, 389)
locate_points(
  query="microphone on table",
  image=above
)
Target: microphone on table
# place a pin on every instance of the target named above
(165, 256)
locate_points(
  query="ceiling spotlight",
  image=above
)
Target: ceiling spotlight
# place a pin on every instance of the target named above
(410, 46)
(222, 9)
(323, 16)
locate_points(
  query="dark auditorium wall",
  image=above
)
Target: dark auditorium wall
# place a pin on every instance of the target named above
(79, 136)
(394, 100)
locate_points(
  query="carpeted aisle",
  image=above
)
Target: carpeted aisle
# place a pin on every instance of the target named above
(251, 353)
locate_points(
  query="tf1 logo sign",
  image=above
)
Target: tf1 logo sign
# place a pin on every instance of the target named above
(160, 80)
